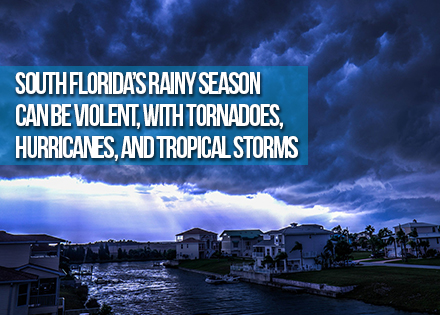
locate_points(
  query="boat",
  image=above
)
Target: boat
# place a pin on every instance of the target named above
(231, 279)
(171, 264)
(156, 264)
(100, 280)
(214, 280)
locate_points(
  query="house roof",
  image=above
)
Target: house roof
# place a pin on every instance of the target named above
(265, 243)
(196, 231)
(41, 268)
(7, 238)
(305, 229)
(244, 234)
(189, 240)
(416, 225)
(9, 275)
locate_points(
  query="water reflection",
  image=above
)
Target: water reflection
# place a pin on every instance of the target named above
(139, 288)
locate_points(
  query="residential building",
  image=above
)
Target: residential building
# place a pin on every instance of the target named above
(312, 237)
(196, 243)
(29, 274)
(239, 243)
(425, 232)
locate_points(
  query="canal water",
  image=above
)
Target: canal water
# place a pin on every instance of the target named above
(140, 288)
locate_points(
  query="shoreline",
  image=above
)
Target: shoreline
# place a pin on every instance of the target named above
(374, 292)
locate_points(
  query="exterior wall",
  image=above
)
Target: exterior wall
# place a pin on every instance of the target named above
(244, 247)
(313, 245)
(14, 255)
(8, 298)
(191, 250)
(48, 262)
(419, 229)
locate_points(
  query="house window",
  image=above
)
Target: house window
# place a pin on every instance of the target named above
(437, 240)
(181, 246)
(433, 229)
(22, 294)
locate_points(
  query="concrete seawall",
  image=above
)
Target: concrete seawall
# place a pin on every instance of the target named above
(292, 285)
(289, 285)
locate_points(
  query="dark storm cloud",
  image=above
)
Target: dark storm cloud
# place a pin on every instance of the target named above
(374, 119)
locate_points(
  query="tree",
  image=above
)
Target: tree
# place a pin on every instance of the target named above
(299, 246)
(105, 310)
(281, 256)
(425, 245)
(343, 251)
(384, 232)
(402, 238)
(391, 240)
(267, 261)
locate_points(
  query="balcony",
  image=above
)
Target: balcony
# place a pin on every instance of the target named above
(311, 254)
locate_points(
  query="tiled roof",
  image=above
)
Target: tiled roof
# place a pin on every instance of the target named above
(28, 238)
(265, 243)
(189, 240)
(416, 225)
(11, 275)
(196, 231)
(245, 234)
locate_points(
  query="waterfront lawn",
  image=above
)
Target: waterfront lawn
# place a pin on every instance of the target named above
(402, 288)
(74, 297)
(416, 261)
(360, 255)
(220, 266)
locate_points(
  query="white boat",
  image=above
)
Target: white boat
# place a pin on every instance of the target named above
(100, 281)
(231, 279)
(214, 280)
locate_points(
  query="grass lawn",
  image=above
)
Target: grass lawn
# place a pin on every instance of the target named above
(402, 288)
(360, 255)
(416, 261)
(220, 266)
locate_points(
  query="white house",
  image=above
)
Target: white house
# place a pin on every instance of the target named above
(196, 243)
(425, 232)
(312, 237)
(29, 274)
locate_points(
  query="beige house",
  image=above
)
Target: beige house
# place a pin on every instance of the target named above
(239, 243)
(196, 243)
(312, 237)
(29, 274)
(425, 232)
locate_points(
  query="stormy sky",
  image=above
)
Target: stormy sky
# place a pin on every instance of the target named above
(374, 115)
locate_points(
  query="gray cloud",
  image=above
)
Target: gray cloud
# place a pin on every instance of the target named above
(374, 119)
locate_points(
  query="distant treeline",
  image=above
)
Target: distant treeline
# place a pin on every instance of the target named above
(83, 253)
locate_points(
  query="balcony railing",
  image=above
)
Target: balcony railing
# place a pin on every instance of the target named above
(43, 300)
(311, 254)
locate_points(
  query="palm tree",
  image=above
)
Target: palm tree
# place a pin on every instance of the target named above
(414, 235)
(401, 237)
(267, 261)
(298, 246)
(281, 256)
(372, 239)
(391, 240)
